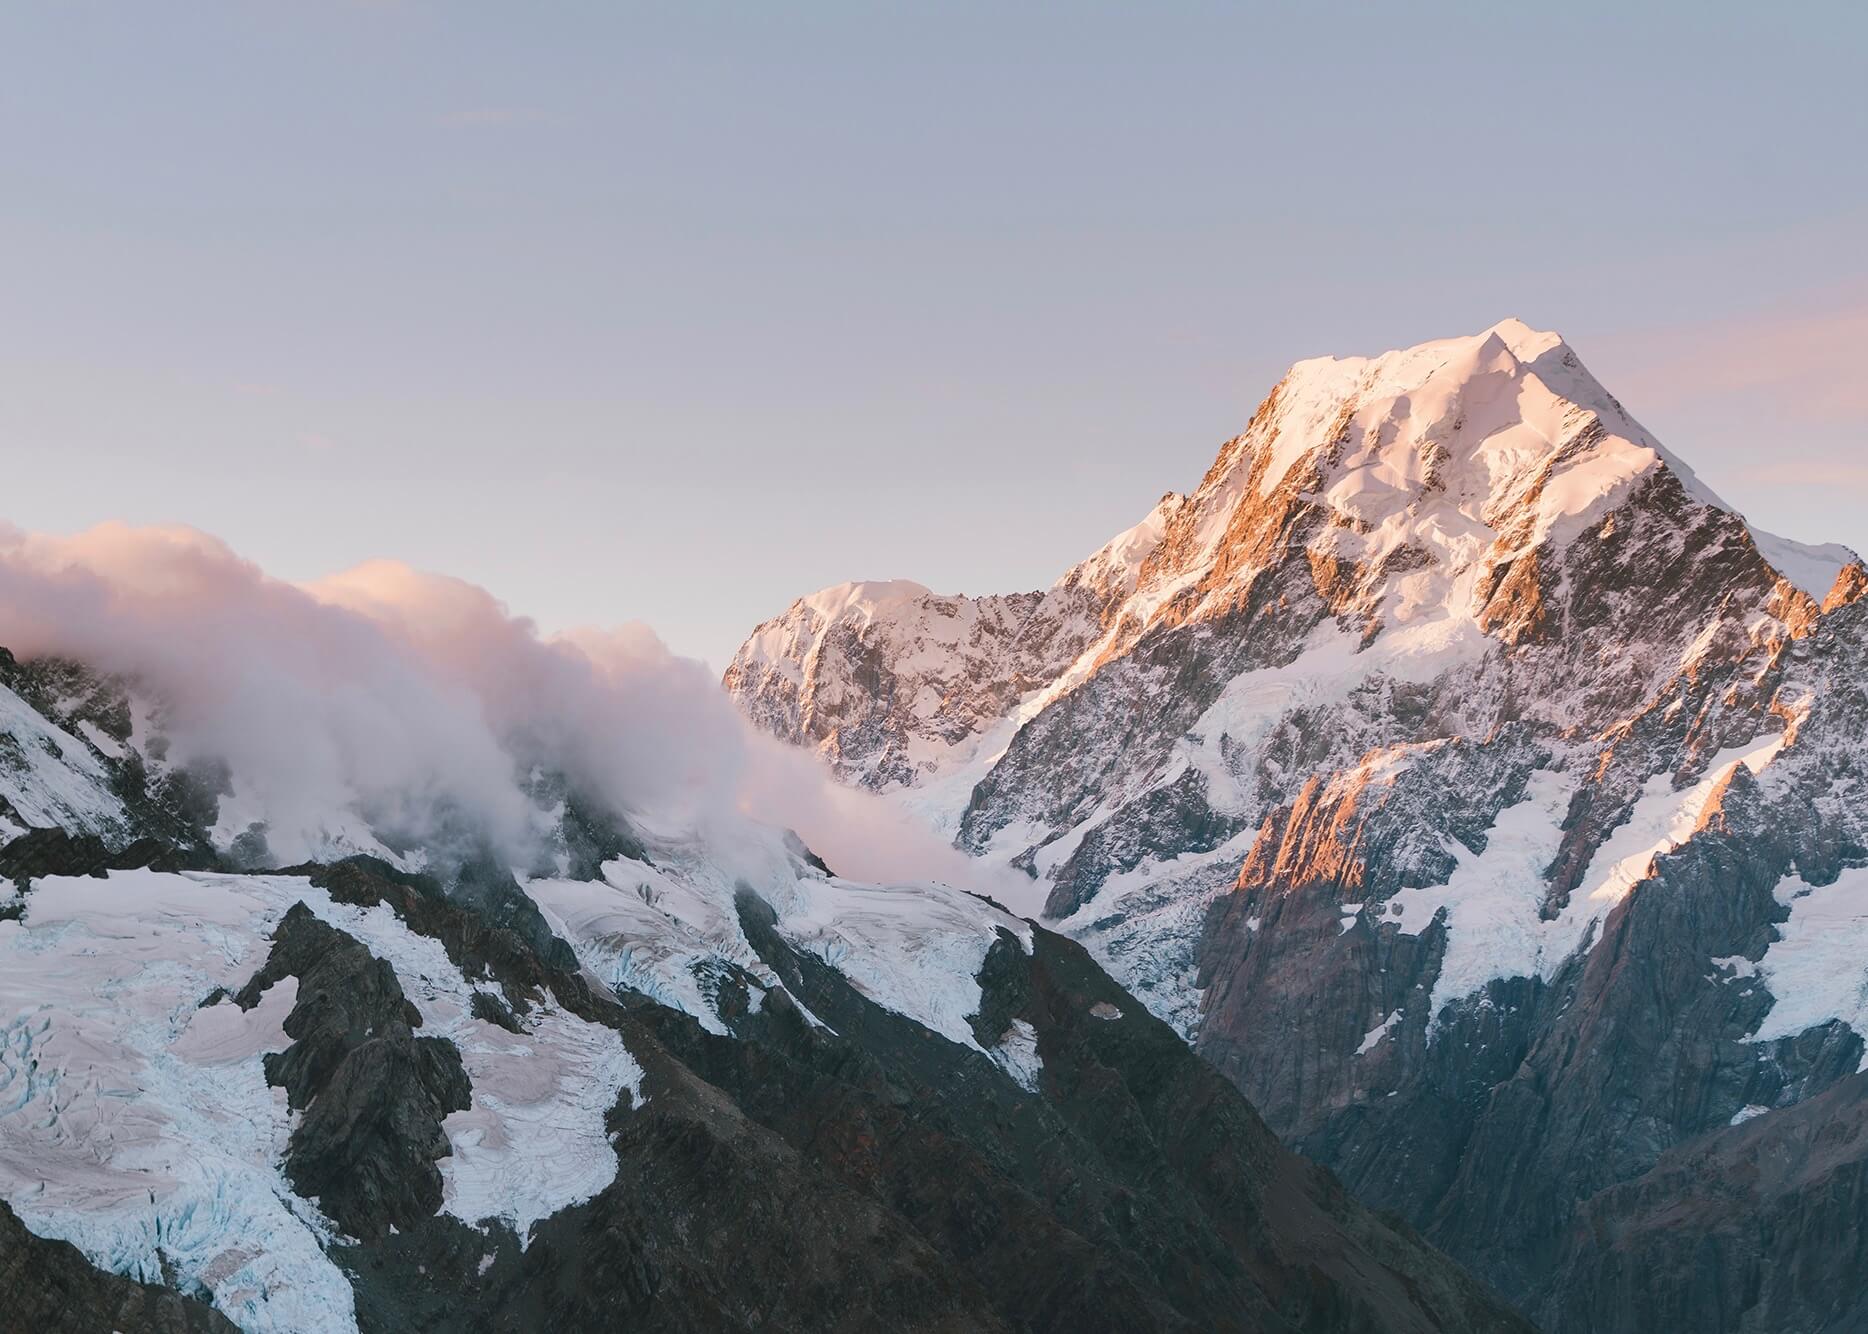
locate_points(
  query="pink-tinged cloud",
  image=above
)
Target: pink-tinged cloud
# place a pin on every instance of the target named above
(400, 702)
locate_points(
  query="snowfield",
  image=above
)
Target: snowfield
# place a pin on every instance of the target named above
(1817, 969)
(136, 1123)
(662, 929)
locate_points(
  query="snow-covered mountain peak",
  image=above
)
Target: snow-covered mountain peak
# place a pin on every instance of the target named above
(869, 597)
(1432, 497)
(1473, 420)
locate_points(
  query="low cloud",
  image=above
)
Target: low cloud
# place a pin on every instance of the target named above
(387, 699)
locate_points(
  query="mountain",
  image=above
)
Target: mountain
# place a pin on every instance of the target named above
(1467, 782)
(667, 1078)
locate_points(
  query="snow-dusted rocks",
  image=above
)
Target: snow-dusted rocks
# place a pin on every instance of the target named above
(1446, 689)
(896, 686)
(50, 777)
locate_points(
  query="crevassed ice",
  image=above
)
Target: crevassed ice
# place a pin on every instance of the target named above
(138, 1126)
(913, 948)
(141, 1129)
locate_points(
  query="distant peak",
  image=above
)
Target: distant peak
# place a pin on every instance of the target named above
(1526, 344)
(863, 595)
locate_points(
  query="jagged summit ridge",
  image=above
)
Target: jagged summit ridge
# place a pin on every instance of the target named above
(1429, 490)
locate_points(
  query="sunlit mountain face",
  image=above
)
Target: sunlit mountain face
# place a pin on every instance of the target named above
(1462, 778)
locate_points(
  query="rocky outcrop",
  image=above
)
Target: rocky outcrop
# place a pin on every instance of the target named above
(1753, 1228)
(372, 1093)
(40, 852)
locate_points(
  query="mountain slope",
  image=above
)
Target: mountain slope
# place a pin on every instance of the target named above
(1444, 772)
(703, 1086)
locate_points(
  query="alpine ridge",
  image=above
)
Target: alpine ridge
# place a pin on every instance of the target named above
(1468, 782)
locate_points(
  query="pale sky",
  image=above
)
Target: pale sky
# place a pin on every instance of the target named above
(676, 312)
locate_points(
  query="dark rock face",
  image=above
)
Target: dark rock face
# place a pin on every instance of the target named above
(373, 1094)
(47, 1287)
(1758, 1227)
(40, 852)
(875, 1176)
(1140, 1191)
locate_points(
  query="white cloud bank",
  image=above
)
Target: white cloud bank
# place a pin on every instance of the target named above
(410, 701)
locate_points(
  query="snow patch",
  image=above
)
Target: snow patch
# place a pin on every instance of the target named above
(1373, 1038)
(1017, 1055)
(1664, 818)
(1811, 568)
(1817, 968)
(533, 1140)
(915, 949)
